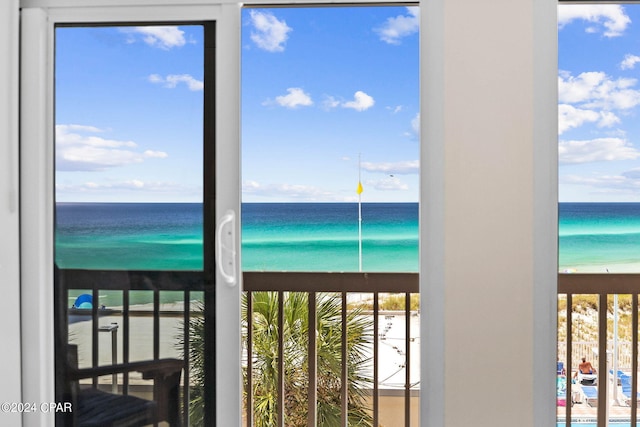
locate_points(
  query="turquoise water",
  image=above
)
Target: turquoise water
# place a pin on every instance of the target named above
(599, 236)
(275, 237)
(313, 236)
(324, 237)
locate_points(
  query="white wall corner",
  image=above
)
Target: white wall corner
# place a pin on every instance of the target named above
(545, 156)
(36, 222)
(432, 214)
(11, 389)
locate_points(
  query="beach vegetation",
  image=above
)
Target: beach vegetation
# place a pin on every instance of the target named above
(391, 302)
(398, 301)
(196, 365)
(584, 317)
(329, 349)
(265, 360)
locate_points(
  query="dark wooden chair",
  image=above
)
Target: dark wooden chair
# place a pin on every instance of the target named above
(97, 408)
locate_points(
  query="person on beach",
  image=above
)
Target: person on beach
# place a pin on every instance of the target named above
(585, 368)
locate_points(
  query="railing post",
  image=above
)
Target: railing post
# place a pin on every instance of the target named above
(569, 361)
(186, 331)
(280, 359)
(312, 357)
(344, 369)
(95, 349)
(603, 397)
(634, 359)
(126, 327)
(156, 324)
(249, 359)
(407, 364)
(376, 340)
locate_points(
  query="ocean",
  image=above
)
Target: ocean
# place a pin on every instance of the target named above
(599, 237)
(593, 237)
(275, 236)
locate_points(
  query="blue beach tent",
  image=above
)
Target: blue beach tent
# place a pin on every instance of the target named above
(83, 301)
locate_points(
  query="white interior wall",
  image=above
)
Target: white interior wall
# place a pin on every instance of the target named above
(488, 212)
(11, 390)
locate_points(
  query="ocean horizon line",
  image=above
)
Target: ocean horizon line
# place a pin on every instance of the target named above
(242, 203)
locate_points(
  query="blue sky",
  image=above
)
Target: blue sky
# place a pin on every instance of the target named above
(129, 114)
(320, 87)
(599, 98)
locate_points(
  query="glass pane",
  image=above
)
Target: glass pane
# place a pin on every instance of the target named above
(599, 155)
(330, 155)
(330, 99)
(599, 213)
(129, 217)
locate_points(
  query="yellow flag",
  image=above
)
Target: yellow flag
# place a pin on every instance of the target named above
(359, 190)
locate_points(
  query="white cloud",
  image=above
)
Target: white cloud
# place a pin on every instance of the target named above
(570, 117)
(629, 62)
(155, 154)
(581, 88)
(415, 125)
(391, 183)
(126, 185)
(289, 191)
(163, 37)
(269, 33)
(395, 28)
(612, 17)
(627, 183)
(596, 150)
(330, 102)
(79, 128)
(172, 80)
(597, 90)
(608, 119)
(78, 150)
(296, 97)
(408, 167)
(361, 101)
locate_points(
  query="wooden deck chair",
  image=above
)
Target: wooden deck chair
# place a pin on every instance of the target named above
(97, 408)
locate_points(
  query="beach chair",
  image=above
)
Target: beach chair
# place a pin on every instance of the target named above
(590, 394)
(621, 376)
(587, 379)
(560, 369)
(626, 392)
(625, 382)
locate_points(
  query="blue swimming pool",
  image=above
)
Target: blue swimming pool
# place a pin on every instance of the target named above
(612, 424)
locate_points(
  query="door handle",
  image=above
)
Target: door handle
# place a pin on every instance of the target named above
(226, 248)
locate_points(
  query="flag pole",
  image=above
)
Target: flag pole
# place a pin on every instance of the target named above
(359, 191)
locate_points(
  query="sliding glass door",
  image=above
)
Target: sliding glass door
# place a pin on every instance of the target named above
(143, 267)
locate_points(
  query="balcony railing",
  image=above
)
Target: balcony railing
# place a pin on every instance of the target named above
(343, 285)
(313, 285)
(591, 325)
